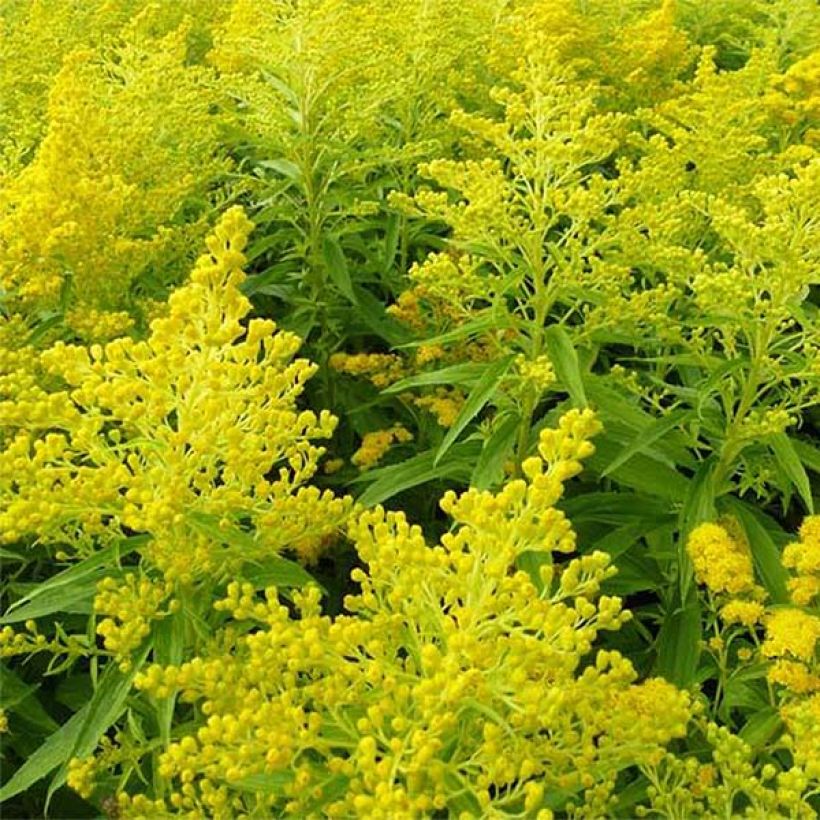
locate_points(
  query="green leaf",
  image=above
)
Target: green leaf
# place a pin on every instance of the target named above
(489, 470)
(73, 589)
(479, 396)
(104, 708)
(397, 478)
(793, 468)
(55, 750)
(645, 438)
(531, 561)
(169, 646)
(209, 525)
(809, 455)
(272, 783)
(463, 799)
(616, 542)
(761, 728)
(372, 315)
(276, 572)
(78, 599)
(455, 374)
(636, 572)
(679, 641)
(641, 472)
(391, 240)
(565, 361)
(284, 167)
(477, 326)
(622, 417)
(765, 552)
(19, 696)
(616, 508)
(337, 267)
(740, 695)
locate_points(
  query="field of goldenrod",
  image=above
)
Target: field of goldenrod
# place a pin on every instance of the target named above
(409, 410)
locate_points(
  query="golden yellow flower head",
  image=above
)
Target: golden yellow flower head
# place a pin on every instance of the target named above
(803, 558)
(720, 562)
(179, 435)
(746, 613)
(453, 674)
(791, 633)
(375, 444)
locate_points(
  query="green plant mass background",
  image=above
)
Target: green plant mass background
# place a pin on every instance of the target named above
(410, 409)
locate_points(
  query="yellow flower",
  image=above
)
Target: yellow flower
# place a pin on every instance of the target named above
(375, 444)
(445, 404)
(452, 672)
(106, 196)
(188, 435)
(746, 613)
(792, 633)
(795, 676)
(720, 562)
(803, 558)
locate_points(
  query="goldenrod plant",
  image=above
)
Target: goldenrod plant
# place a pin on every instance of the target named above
(311, 312)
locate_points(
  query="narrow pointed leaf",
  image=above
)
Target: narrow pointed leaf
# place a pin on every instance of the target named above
(793, 468)
(565, 361)
(479, 396)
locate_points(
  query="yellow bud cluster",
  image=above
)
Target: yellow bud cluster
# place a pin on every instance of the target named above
(375, 444)
(803, 558)
(721, 563)
(382, 369)
(802, 719)
(451, 674)
(445, 404)
(536, 375)
(130, 606)
(197, 423)
(791, 633)
(31, 641)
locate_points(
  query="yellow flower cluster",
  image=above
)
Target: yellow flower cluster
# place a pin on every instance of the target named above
(745, 613)
(382, 369)
(571, 181)
(794, 97)
(101, 201)
(535, 375)
(802, 719)
(691, 787)
(30, 641)
(444, 403)
(721, 562)
(456, 681)
(803, 558)
(119, 750)
(790, 652)
(791, 633)
(183, 435)
(375, 444)
(130, 606)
